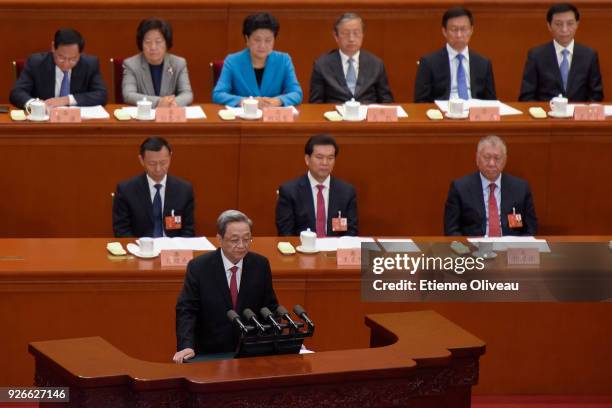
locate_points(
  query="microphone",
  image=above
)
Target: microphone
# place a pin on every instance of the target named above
(250, 317)
(234, 318)
(299, 310)
(282, 312)
(267, 315)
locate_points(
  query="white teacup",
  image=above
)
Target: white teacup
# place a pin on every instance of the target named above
(455, 107)
(37, 109)
(144, 109)
(250, 106)
(485, 247)
(308, 240)
(351, 109)
(559, 105)
(146, 246)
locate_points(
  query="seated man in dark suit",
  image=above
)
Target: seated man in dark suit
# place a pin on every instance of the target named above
(62, 76)
(562, 67)
(349, 72)
(230, 278)
(317, 200)
(154, 204)
(473, 203)
(454, 71)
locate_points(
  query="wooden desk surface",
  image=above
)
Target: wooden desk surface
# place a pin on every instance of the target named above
(63, 288)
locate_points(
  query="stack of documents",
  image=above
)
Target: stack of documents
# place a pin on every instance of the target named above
(195, 244)
(504, 109)
(332, 244)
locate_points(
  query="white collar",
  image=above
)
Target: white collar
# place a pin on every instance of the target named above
(152, 182)
(452, 53)
(345, 57)
(486, 182)
(314, 182)
(227, 264)
(559, 47)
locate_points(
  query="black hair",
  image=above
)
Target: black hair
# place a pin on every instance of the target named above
(260, 21)
(454, 12)
(68, 36)
(561, 8)
(321, 140)
(154, 144)
(154, 23)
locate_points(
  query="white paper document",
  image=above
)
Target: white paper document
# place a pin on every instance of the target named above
(332, 243)
(238, 111)
(133, 111)
(608, 110)
(509, 241)
(94, 112)
(194, 112)
(195, 244)
(363, 110)
(398, 245)
(504, 110)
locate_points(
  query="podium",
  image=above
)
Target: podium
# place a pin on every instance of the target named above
(416, 359)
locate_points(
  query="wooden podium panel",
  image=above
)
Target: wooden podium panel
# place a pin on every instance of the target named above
(420, 360)
(68, 288)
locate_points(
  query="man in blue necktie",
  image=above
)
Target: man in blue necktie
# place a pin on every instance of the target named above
(154, 204)
(61, 77)
(455, 71)
(562, 67)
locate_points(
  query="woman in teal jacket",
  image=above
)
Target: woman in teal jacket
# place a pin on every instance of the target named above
(258, 71)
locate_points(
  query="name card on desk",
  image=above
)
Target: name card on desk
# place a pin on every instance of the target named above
(484, 113)
(278, 114)
(65, 115)
(382, 114)
(176, 257)
(348, 256)
(170, 115)
(589, 112)
(523, 256)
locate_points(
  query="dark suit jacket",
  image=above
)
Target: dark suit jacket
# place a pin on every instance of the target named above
(433, 79)
(201, 321)
(328, 83)
(542, 77)
(465, 214)
(37, 80)
(133, 209)
(295, 210)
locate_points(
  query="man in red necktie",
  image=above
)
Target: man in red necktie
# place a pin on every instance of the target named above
(489, 202)
(316, 200)
(231, 277)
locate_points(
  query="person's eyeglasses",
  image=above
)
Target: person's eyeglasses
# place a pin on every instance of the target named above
(237, 241)
(456, 30)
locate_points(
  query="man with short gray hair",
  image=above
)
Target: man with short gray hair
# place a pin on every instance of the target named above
(229, 278)
(349, 72)
(489, 203)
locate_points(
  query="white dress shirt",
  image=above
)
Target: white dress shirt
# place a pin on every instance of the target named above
(315, 191)
(559, 52)
(486, 191)
(452, 59)
(228, 265)
(59, 76)
(345, 63)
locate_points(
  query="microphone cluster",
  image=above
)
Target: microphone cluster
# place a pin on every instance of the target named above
(271, 333)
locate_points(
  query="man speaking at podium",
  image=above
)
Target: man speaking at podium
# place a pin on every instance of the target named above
(229, 278)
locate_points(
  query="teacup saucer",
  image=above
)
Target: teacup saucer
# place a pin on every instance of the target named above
(463, 115)
(135, 250)
(151, 117)
(306, 251)
(41, 119)
(485, 255)
(557, 115)
(243, 115)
